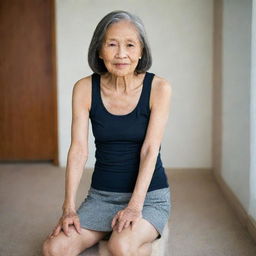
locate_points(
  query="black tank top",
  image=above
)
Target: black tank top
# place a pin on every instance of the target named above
(118, 141)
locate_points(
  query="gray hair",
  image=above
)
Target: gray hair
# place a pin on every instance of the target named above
(97, 64)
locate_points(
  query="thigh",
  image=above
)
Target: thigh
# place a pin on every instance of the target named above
(75, 243)
(143, 232)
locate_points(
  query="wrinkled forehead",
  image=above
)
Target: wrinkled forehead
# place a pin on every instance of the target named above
(122, 30)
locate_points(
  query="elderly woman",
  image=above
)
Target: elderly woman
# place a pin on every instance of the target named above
(128, 202)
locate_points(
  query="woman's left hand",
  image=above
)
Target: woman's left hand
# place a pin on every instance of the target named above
(126, 217)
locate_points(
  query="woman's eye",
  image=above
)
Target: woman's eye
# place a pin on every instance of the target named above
(130, 45)
(111, 44)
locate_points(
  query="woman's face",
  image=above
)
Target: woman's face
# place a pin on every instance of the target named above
(121, 48)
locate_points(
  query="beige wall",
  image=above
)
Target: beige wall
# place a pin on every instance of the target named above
(234, 108)
(252, 209)
(236, 56)
(180, 34)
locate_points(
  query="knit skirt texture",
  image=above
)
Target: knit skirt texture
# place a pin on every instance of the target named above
(99, 208)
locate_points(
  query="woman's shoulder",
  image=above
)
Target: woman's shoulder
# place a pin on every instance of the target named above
(161, 85)
(83, 85)
(83, 82)
(82, 89)
(160, 89)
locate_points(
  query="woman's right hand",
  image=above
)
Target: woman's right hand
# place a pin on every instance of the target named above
(68, 218)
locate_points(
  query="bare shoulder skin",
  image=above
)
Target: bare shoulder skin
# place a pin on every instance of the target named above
(158, 88)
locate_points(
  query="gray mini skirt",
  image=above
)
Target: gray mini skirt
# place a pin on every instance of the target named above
(99, 208)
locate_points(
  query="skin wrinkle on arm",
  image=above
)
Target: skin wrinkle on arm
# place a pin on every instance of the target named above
(150, 149)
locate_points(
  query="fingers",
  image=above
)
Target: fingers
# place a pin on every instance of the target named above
(64, 222)
(65, 228)
(57, 230)
(77, 225)
(134, 224)
(120, 226)
(114, 221)
(123, 219)
(127, 224)
(123, 225)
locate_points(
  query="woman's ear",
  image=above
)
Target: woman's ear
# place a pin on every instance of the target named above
(99, 54)
(141, 53)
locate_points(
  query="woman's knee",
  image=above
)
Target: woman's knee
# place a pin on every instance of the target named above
(51, 248)
(63, 245)
(121, 247)
(55, 246)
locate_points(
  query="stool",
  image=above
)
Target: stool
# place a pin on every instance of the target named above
(158, 246)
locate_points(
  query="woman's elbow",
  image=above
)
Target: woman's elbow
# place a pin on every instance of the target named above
(149, 151)
(78, 152)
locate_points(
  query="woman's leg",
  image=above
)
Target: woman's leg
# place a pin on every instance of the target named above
(133, 242)
(61, 245)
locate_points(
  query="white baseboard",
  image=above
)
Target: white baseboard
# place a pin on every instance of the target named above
(246, 220)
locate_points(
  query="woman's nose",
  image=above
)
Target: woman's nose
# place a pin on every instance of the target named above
(121, 53)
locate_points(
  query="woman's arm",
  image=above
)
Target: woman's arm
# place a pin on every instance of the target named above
(158, 119)
(77, 154)
(161, 98)
(78, 151)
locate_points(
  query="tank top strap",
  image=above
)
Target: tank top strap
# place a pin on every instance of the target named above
(147, 84)
(95, 92)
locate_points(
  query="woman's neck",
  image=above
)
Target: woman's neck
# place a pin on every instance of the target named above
(122, 84)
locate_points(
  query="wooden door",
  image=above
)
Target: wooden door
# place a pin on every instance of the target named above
(28, 108)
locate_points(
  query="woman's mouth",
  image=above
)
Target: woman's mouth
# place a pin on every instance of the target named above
(121, 65)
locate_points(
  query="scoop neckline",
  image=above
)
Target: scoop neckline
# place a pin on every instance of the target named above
(135, 108)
